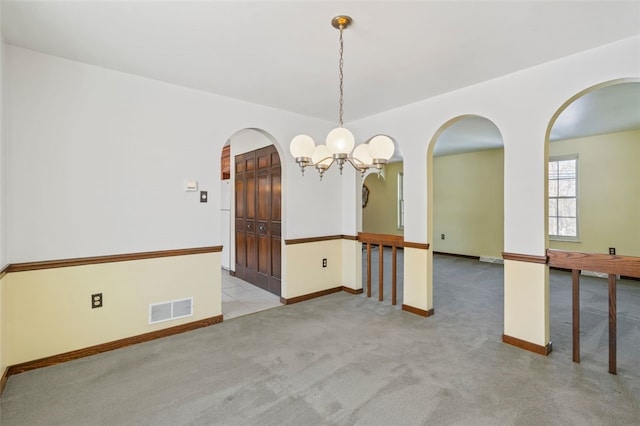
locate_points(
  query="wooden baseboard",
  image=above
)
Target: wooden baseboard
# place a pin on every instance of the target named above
(353, 290)
(418, 311)
(309, 296)
(518, 257)
(464, 256)
(104, 347)
(3, 380)
(528, 346)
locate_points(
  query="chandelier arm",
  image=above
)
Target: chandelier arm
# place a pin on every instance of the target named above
(360, 166)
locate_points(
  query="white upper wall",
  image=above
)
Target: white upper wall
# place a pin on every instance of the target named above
(97, 159)
(521, 105)
(3, 179)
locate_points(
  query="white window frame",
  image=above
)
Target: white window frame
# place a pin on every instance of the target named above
(400, 202)
(570, 238)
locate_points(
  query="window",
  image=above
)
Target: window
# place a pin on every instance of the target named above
(563, 198)
(400, 201)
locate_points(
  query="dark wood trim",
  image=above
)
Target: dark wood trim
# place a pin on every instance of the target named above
(81, 261)
(232, 273)
(423, 246)
(524, 258)
(528, 346)
(464, 256)
(418, 311)
(310, 296)
(117, 344)
(575, 312)
(3, 380)
(624, 277)
(381, 239)
(608, 263)
(4, 271)
(313, 239)
(353, 290)
(350, 237)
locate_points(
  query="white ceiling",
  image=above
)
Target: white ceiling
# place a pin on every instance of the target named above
(284, 54)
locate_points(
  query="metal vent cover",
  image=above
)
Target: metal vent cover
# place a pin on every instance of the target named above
(167, 311)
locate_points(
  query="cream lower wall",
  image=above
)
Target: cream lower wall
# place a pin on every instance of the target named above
(304, 271)
(526, 301)
(418, 288)
(3, 322)
(352, 264)
(50, 310)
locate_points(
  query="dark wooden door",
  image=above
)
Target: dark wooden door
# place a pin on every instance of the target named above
(258, 218)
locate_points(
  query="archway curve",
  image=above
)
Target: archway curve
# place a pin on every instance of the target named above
(552, 121)
(250, 139)
(590, 160)
(430, 155)
(494, 142)
(397, 157)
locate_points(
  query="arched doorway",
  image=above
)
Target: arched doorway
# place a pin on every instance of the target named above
(383, 217)
(251, 229)
(465, 223)
(593, 204)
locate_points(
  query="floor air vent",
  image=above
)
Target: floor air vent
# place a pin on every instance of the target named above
(166, 311)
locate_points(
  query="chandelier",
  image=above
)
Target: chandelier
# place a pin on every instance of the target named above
(340, 142)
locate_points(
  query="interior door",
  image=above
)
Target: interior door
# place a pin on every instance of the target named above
(258, 218)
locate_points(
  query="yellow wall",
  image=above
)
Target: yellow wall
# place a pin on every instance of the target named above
(50, 310)
(609, 192)
(468, 203)
(381, 214)
(304, 271)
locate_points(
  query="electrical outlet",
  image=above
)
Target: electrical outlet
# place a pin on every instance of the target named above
(612, 250)
(96, 300)
(324, 263)
(442, 236)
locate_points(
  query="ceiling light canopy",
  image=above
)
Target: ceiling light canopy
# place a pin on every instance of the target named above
(340, 142)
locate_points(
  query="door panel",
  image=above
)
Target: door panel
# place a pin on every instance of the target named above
(258, 218)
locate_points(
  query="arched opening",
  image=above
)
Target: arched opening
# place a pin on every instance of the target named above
(592, 201)
(251, 204)
(465, 220)
(382, 213)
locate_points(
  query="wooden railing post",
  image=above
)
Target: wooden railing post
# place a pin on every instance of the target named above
(368, 269)
(611, 264)
(393, 241)
(380, 272)
(575, 275)
(393, 275)
(612, 325)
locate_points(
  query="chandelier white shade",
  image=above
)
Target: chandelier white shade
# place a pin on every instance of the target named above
(340, 142)
(381, 147)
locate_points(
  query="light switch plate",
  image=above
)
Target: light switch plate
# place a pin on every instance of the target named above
(190, 185)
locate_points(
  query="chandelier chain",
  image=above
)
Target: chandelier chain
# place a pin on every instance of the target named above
(341, 75)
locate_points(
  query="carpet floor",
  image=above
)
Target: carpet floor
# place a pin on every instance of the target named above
(346, 359)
